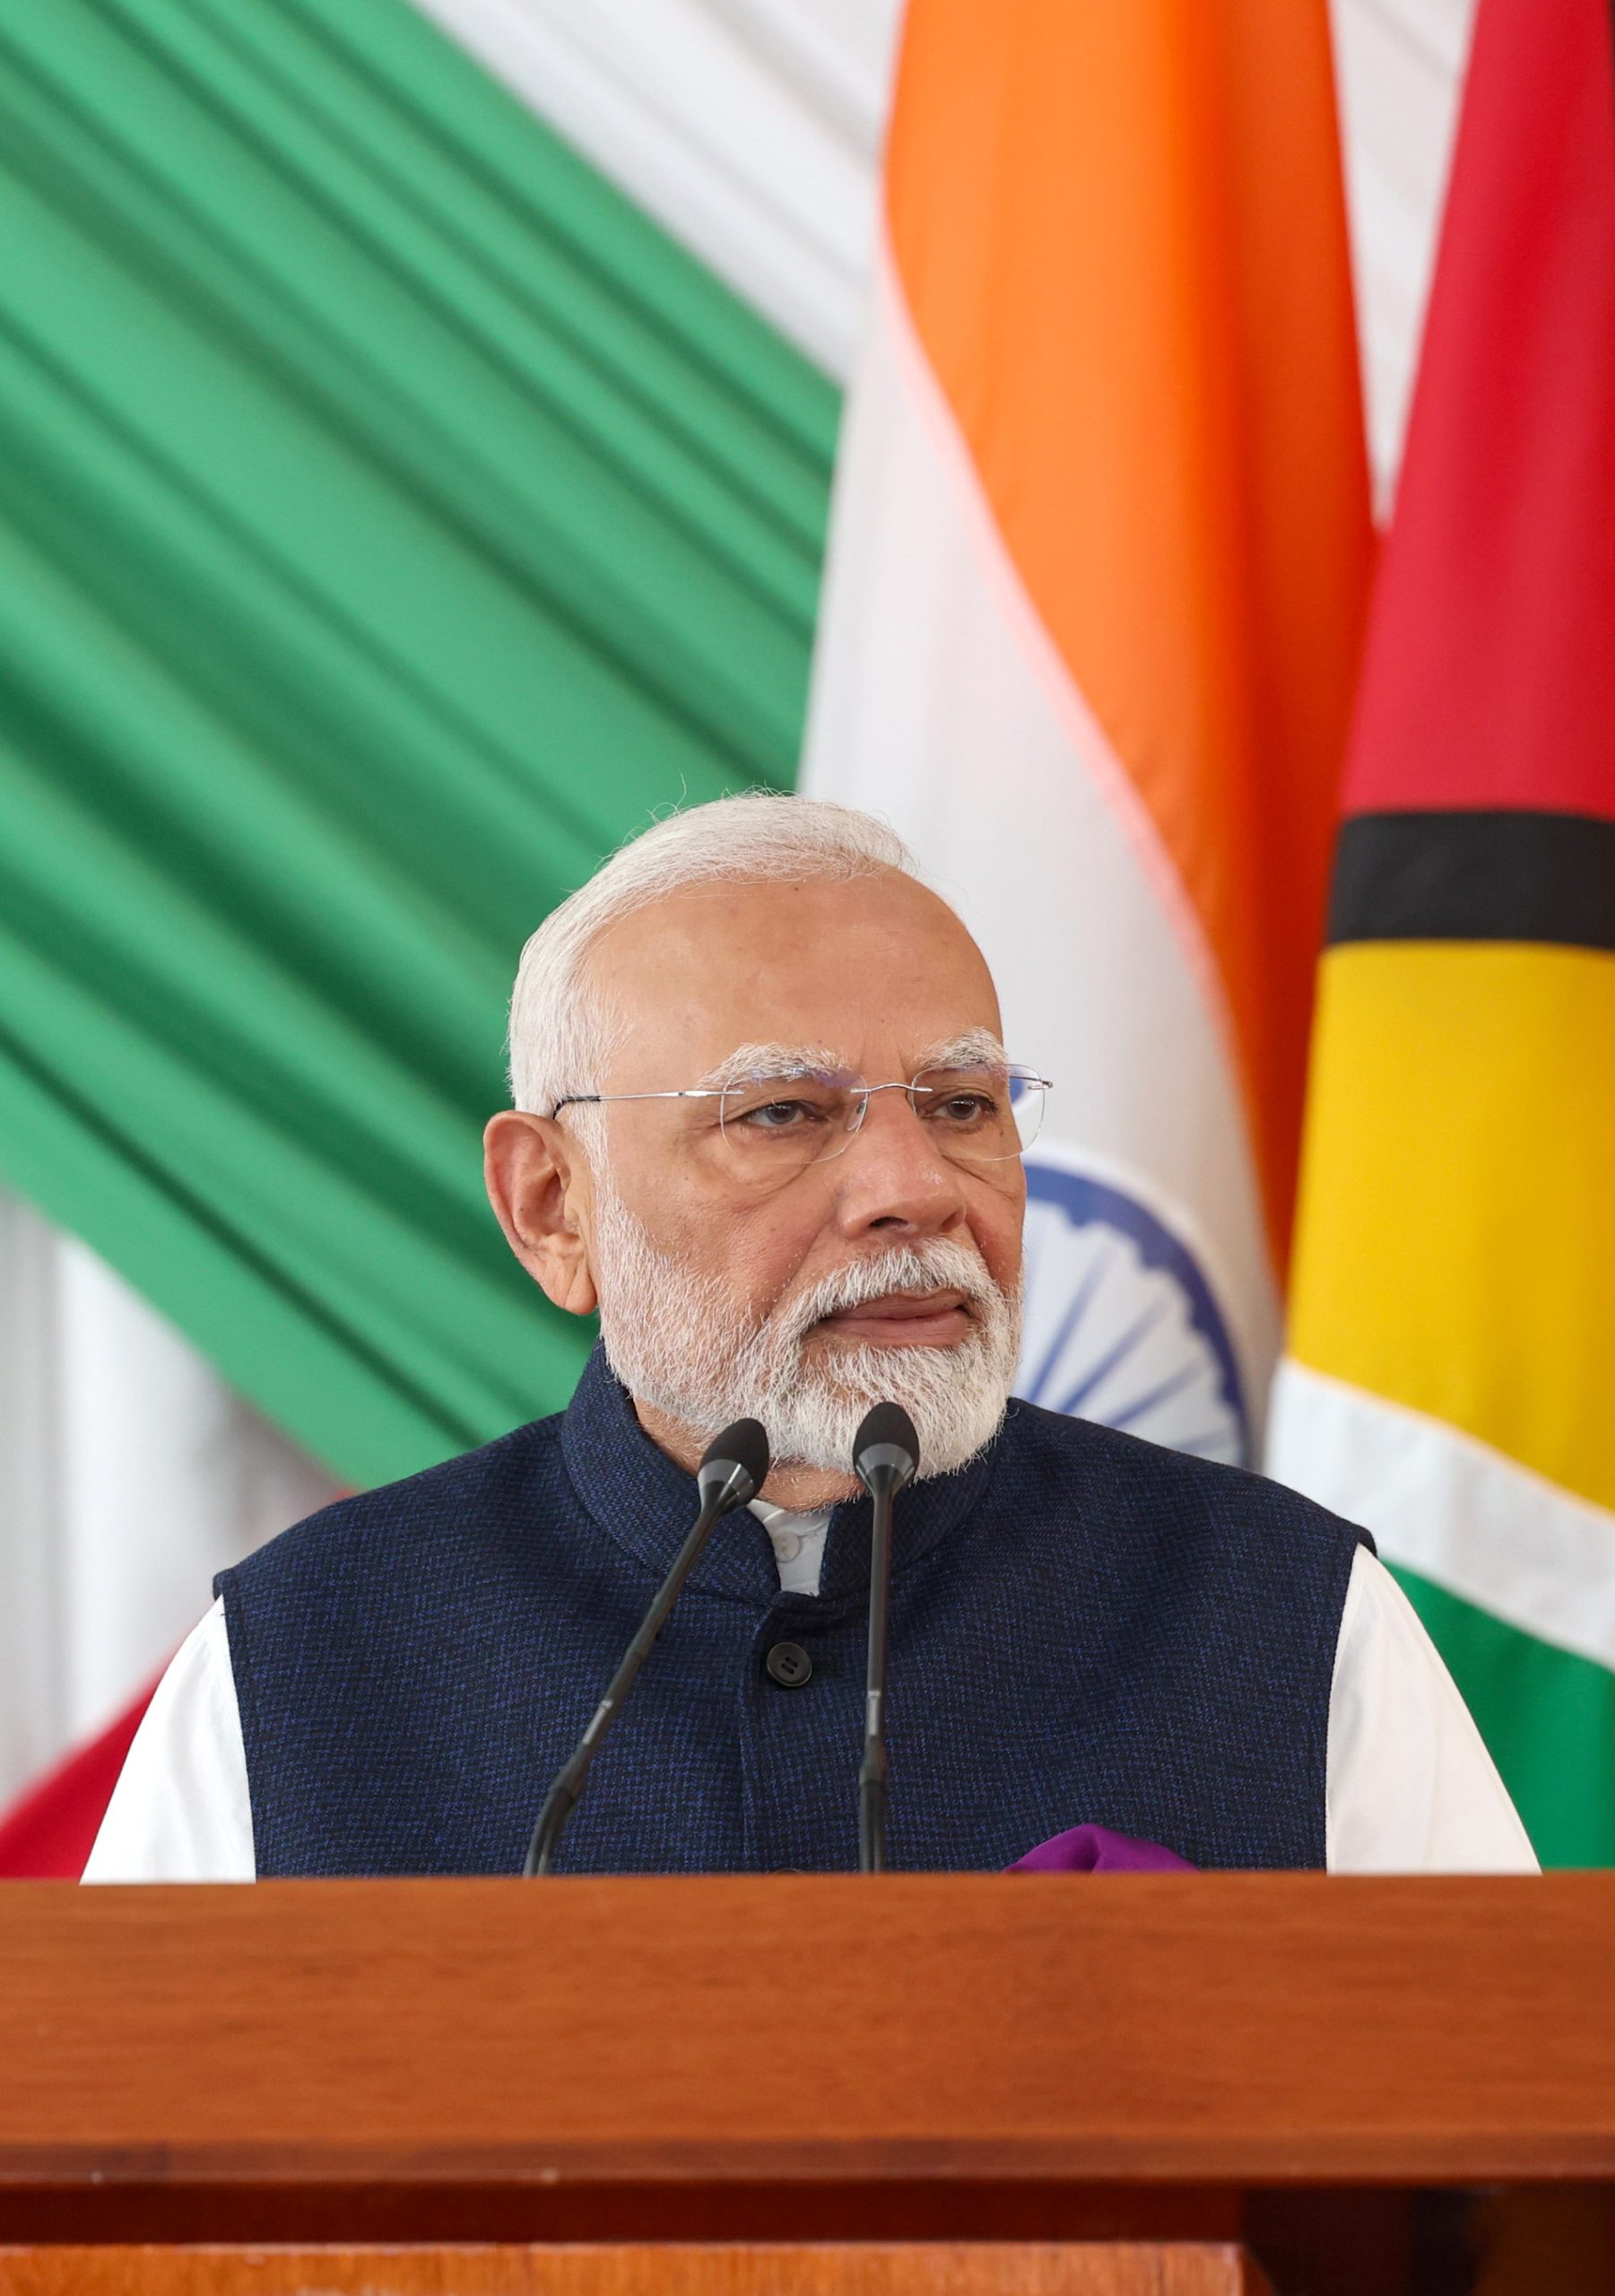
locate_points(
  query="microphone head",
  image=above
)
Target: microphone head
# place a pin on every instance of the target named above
(738, 1458)
(886, 1450)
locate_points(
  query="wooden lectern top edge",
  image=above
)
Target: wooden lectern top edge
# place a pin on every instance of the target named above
(1217, 2027)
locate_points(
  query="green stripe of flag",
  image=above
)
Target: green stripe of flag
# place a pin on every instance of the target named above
(1547, 1715)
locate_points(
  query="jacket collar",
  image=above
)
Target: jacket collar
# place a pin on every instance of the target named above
(645, 1504)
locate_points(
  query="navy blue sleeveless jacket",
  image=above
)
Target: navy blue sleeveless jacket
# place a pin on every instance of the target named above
(1085, 1628)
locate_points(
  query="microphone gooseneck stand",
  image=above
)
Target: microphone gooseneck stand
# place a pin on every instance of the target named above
(886, 1452)
(735, 1469)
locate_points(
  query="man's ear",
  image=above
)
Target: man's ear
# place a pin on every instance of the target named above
(539, 1186)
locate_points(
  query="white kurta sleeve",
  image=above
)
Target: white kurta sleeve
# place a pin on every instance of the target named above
(1411, 1788)
(181, 1811)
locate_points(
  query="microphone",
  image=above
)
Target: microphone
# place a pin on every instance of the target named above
(733, 1470)
(886, 1455)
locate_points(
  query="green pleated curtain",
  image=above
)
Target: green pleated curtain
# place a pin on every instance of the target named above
(391, 519)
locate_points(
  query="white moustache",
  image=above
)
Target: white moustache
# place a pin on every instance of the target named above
(942, 1265)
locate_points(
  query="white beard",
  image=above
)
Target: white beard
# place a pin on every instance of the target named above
(677, 1341)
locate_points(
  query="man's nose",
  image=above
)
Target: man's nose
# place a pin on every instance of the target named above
(892, 1173)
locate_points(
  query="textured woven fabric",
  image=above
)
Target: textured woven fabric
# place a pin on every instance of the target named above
(1085, 1629)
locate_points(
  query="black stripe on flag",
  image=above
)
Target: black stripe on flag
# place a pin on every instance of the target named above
(1491, 876)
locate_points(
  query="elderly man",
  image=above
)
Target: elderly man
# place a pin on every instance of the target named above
(764, 1125)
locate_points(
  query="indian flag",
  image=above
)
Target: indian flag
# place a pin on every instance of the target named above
(1452, 1320)
(1099, 552)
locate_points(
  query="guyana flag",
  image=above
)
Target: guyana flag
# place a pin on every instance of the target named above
(1451, 1378)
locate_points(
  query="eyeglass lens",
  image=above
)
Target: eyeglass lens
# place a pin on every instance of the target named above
(977, 1116)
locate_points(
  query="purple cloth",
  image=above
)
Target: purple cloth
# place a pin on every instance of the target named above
(1095, 1849)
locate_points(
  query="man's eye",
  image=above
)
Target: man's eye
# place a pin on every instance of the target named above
(958, 1109)
(780, 1116)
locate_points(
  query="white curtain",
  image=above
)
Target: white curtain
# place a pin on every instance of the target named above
(1400, 65)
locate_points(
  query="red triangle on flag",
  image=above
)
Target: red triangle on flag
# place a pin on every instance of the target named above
(49, 1833)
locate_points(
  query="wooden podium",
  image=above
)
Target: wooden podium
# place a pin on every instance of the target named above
(798, 2085)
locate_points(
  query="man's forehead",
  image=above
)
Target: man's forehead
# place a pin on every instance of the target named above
(874, 968)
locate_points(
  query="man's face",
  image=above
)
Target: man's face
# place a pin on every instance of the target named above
(875, 974)
(711, 1279)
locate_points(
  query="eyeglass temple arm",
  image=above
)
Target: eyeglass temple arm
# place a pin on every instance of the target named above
(599, 1099)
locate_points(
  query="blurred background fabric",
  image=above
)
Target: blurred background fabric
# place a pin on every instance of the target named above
(418, 428)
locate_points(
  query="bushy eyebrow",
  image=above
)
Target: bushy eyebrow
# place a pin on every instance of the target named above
(975, 1048)
(749, 1060)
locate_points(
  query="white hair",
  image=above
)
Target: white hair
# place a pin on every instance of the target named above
(561, 1035)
